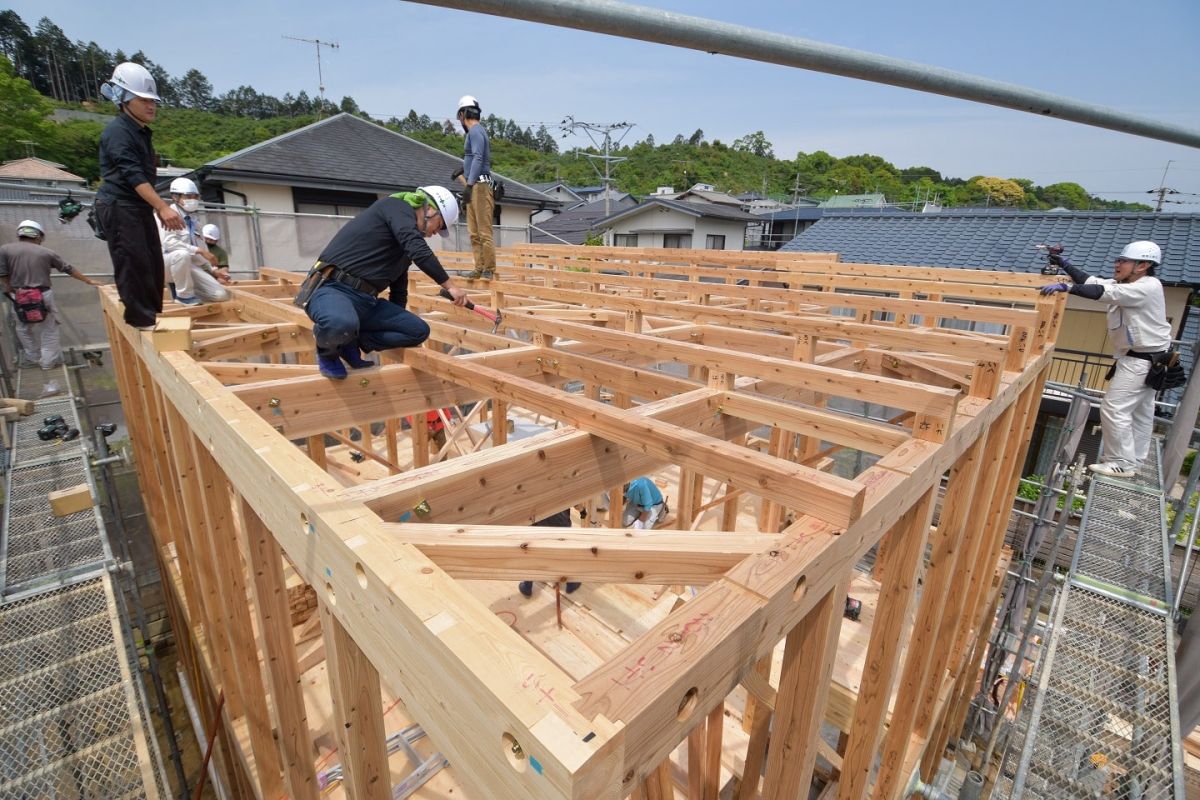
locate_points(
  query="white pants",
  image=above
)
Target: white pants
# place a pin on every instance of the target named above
(633, 511)
(1127, 414)
(40, 341)
(190, 275)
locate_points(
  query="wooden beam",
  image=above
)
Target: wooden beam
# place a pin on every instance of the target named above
(793, 485)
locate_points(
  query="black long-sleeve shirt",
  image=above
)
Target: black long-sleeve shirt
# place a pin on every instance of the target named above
(380, 244)
(126, 160)
(1082, 288)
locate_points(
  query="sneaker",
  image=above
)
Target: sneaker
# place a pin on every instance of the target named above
(353, 356)
(50, 389)
(475, 274)
(23, 362)
(525, 588)
(332, 368)
(572, 586)
(187, 301)
(1112, 470)
(487, 274)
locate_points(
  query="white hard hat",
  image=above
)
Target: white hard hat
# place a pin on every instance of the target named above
(184, 186)
(211, 231)
(30, 229)
(446, 203)
(467, 101)
(1143, 251)
(130, 78)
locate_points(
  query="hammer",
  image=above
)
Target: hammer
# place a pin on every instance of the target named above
(493, 317)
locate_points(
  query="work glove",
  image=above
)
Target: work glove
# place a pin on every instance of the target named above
(456, 174)
(466, 195)
(1054, 288)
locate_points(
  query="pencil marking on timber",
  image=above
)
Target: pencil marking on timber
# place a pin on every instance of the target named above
(676, 641)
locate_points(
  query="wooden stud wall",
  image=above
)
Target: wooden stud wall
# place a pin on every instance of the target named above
(243, 491)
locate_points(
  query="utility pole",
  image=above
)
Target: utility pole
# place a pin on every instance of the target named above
(595, 131)
(1162, 190)
(320, 76)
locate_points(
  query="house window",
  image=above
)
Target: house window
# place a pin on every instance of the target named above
(677, 241)
(325, 206)
(714, 241)
(625, 240)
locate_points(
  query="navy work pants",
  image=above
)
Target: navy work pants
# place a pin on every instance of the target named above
(342, 316)
(136, 252)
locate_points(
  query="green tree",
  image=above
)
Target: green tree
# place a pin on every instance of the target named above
(755, 143)
(1000, 191)
(23, 114)
(195, 91)
(1068, 195)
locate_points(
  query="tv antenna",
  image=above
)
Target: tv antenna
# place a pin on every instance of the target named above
(320, 76)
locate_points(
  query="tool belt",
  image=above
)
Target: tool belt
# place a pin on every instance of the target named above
(30, 304)
(357, 284)
(320, 274)
(1165, 370)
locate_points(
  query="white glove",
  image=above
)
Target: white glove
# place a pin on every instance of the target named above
(638, 525)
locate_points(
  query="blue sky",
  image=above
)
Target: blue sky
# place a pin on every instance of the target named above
(397, 55)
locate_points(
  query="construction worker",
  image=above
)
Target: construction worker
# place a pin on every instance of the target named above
(193, 271)
(478, 198)
(25, 272)
(126, 202)
(644, 504)
(560, 520)
(372, 253)
(1138, 328)
(212, 240)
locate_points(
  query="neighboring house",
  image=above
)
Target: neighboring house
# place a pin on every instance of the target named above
(337, 167)
(705, 193)
(589, 193)
(39, 172)
(855, 201)
(573, 225)
(1005, 240)
(556, 190)
(776, 228)
(659, 222)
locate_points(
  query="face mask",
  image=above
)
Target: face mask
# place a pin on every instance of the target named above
(189, 205)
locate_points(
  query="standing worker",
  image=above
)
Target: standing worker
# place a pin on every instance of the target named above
(25, 271)
(194, 272)
(372, 253)
(1140, 333)
(126, 202)
(478, 197)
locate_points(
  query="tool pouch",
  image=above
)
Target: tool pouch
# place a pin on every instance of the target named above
(314, 280)
(31, 306)
(1166, 372)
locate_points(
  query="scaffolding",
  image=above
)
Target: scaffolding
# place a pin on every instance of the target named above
(73, 715)
(1100, 718)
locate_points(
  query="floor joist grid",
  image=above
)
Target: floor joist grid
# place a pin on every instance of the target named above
(634, 362)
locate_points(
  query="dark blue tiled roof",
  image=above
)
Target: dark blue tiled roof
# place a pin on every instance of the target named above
(1005, 241)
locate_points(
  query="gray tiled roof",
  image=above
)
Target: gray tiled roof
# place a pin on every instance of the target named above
(1004, 241)
(351, 153)
(575, 223)
(696, 209)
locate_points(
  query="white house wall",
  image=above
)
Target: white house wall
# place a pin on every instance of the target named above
(650, 222)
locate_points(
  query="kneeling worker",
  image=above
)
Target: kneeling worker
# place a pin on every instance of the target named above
(372, 253)
(644, 504)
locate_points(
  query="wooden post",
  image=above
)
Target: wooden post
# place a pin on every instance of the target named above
(357, 713)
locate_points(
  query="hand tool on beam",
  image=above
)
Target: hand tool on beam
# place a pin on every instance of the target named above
(493, 317)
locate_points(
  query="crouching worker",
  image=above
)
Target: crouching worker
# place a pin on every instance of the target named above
(644, 504)
(193, 272)
(370, 255)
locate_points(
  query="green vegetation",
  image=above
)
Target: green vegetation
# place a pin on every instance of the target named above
(41, 68)
(1029, 488)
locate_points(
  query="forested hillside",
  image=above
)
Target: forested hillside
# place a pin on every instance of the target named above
(42, 69)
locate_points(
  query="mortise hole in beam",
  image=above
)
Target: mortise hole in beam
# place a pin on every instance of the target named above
(361, 574)
(305, 524)
(688, 704)
(332, 596)
(801, 588)
(514, 752)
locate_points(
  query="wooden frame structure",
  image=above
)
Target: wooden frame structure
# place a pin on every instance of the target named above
(645, 360)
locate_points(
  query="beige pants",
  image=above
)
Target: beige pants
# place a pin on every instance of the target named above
(479, 224)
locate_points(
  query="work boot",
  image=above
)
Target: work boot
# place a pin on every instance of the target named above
(572, 586)
(487, 274)
(353, 356)
(475, 274)
(332, 367)
(525, 588)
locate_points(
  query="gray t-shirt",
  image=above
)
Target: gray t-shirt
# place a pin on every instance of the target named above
(28, 264)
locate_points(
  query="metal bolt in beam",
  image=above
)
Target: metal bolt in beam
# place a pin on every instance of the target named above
(696, 33)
